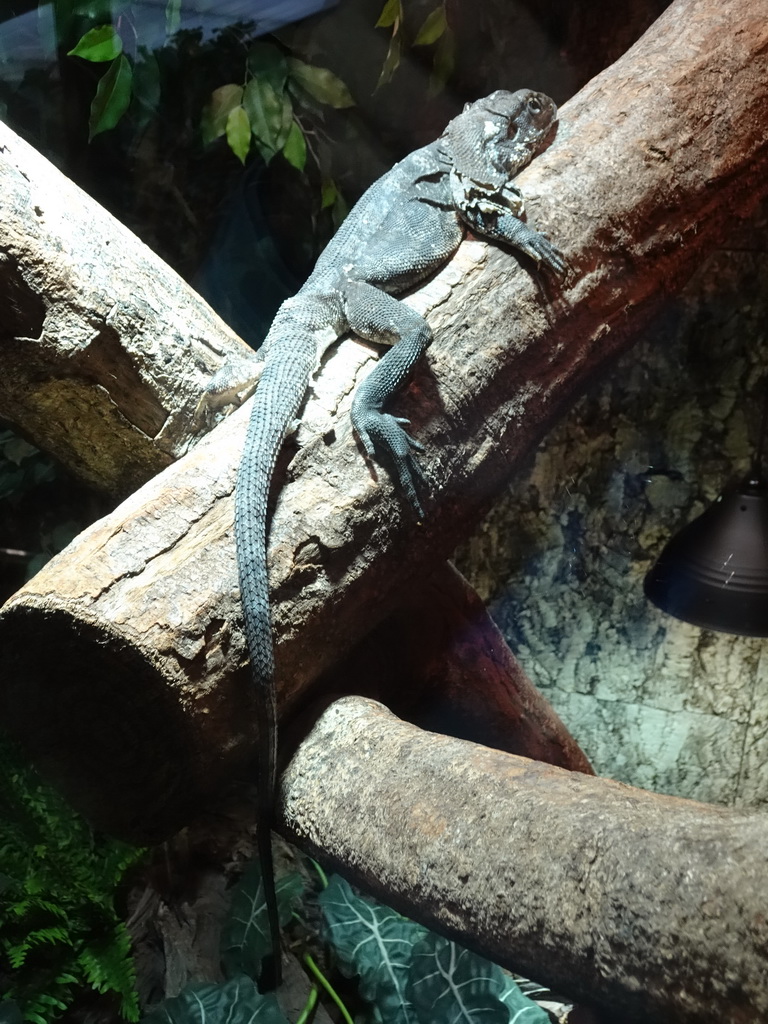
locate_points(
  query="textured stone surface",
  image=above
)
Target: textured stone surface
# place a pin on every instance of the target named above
(653, 701)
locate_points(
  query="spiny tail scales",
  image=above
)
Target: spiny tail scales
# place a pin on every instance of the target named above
(281, 389)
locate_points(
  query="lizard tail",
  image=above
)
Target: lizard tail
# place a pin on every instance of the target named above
(280, 391)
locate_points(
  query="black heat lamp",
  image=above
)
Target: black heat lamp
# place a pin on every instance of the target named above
(714, 572)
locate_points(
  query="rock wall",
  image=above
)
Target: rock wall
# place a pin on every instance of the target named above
(561, 559)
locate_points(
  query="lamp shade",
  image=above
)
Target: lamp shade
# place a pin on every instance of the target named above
(714, 572)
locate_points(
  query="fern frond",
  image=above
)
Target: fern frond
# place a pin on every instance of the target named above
(110, 968)
(58, 926)
(40, 937)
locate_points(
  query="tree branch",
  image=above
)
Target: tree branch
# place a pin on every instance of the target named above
(104, 350)
(652, 907)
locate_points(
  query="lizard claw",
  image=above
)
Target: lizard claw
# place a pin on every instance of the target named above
(544, 252)
(383, 434)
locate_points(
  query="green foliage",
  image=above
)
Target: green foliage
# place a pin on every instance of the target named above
(434, 26)
(374, 943)
(238, 131)
(238, 1001)
(320, 83)
(295, 148)
(113, 95)
(434, 31)
(412, 975)
(275, 103)
(245, 938)
(223, 101)
(407, 974)
(275, 85)
(98, 44)
(264, 109)
(58, 926)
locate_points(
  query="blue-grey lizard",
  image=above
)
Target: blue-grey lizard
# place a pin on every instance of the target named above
(404, 227)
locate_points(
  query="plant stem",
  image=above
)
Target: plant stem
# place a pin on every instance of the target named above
(309, 1006)
(328, 987)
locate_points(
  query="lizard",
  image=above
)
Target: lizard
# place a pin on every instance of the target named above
(403, 228)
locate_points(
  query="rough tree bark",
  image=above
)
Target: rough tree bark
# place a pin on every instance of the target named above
(652, 907)
(104, 350)
(103, 363)
(124, 658)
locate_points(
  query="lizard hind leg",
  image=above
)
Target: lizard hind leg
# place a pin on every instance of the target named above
(377, 316)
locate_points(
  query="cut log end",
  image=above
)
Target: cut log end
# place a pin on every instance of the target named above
(99, 721)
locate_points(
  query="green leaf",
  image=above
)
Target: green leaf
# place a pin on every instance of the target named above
(391, 13)
(172, 17)
(238, 1001)
(295, 148)
(520, 1008)
(391, 62)
(375, 943)
(321, 83)
(267, 62)
(98, 44)
(270, 114)
(328, 196)
(450, 983)
(239, 133)
(213, 121)
(245, 938)
(57, 921)
(433, 27)
(113, 94)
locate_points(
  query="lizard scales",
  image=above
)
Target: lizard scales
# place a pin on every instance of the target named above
(403, 228)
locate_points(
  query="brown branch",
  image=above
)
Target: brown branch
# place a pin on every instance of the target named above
(104, 350)
(653, 907)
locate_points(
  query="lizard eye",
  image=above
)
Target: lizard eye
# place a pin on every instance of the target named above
(534, 106)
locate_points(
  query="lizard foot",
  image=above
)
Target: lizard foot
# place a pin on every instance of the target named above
(382, 436)
(540, 249)
(232, 384)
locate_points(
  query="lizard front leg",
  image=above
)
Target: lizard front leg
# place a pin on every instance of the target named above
(377, 316)
(505, 227)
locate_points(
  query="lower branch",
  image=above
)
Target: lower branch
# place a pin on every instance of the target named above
(650, 906)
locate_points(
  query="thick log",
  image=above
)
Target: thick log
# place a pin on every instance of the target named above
(652, 907)
(124, 659)
(104, 350)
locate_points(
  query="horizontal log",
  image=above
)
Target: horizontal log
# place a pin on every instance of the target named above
(654, 908)
(124, 659)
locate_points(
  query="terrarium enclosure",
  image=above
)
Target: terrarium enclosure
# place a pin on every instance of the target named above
(570, 426)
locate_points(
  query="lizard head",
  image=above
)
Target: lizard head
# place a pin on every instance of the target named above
(494, 138)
